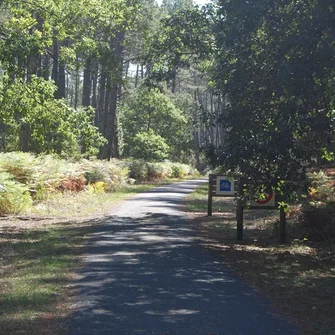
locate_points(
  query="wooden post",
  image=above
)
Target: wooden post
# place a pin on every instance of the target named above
(239, 214)
(210, 197)
(239, 219)
(282, 226)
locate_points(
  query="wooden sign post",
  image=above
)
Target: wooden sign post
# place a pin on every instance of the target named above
(219, 186)
(223, 186)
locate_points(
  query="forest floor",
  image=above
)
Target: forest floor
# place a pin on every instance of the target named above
(298, 277)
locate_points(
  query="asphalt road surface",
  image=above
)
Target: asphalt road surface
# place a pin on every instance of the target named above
(146, 272)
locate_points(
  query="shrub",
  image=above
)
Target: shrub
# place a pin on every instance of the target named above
(144, 171)
(73, 184)
(19, 164)
(138, 170)
(14, 196)
(317, 215)
(149, 146)
(113, 173)
(318, 223)
(52, 175)
(158, 171)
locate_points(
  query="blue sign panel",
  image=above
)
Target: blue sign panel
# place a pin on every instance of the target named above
(225, 185)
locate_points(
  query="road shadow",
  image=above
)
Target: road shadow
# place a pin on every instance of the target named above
(151, 276)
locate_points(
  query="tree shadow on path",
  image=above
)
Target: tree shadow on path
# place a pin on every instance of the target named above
(151, 276)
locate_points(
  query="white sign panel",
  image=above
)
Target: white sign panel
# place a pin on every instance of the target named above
(268, 201)
(224, 186)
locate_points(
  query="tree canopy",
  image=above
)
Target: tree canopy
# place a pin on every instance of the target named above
(275, 66)
(249, 81)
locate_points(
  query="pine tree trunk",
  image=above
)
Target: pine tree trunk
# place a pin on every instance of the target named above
(86, 101)
(24, 137)
(45, 67)
(61, 81)
(101, 100)
(76, 89)
(58, 71)
(94, 87)
(136, 76)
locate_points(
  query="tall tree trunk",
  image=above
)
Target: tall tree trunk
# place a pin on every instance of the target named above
(55, 73)
(112, 131)
(94, 86)
(126, 67)
(24, 137)
(61, 81)
(58, 71)
(136, 76)
(76, 88)
(112, 121)
(86, 101)
(45, 67)
(101, 100)
(3, 132)
(142, 71)
(108, 96)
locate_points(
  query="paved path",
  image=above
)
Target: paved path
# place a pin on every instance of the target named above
(147, 273)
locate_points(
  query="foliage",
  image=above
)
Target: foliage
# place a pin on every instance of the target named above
(183, 40)
(113, 174)
(148, 117)
(141, 170)
(275, 67)
(14, 196)
(52, 125)
(322, 189)
(149, 146)
(20, 165)
(317, 215)
(25, 177)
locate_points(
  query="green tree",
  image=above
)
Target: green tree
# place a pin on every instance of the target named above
(149, 146)
(274, 67)
(152, 112)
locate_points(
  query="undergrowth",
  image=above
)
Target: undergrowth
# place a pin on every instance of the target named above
(26, 179)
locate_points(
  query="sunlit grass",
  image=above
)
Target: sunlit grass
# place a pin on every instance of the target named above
(84, 204)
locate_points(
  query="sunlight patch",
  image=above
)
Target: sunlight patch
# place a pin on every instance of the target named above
(182, 312)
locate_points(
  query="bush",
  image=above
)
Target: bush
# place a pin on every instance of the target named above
(14, 196)
(149, 146)
(25, 177)
(19, 164)
(138, 170)
(144, 171)
(159, 171)
(53, 175)
(113, 173)
(317, 215)
(318, 223)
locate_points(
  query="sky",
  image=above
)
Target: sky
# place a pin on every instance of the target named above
(201, 2)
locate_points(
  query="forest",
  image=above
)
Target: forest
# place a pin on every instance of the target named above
(245, 85)
(98, 97)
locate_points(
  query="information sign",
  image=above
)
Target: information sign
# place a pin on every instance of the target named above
(224, 186)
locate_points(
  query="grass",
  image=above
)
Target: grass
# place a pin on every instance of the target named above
(298, 277)
(35, 266)
(38, 252)
(84, 204)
